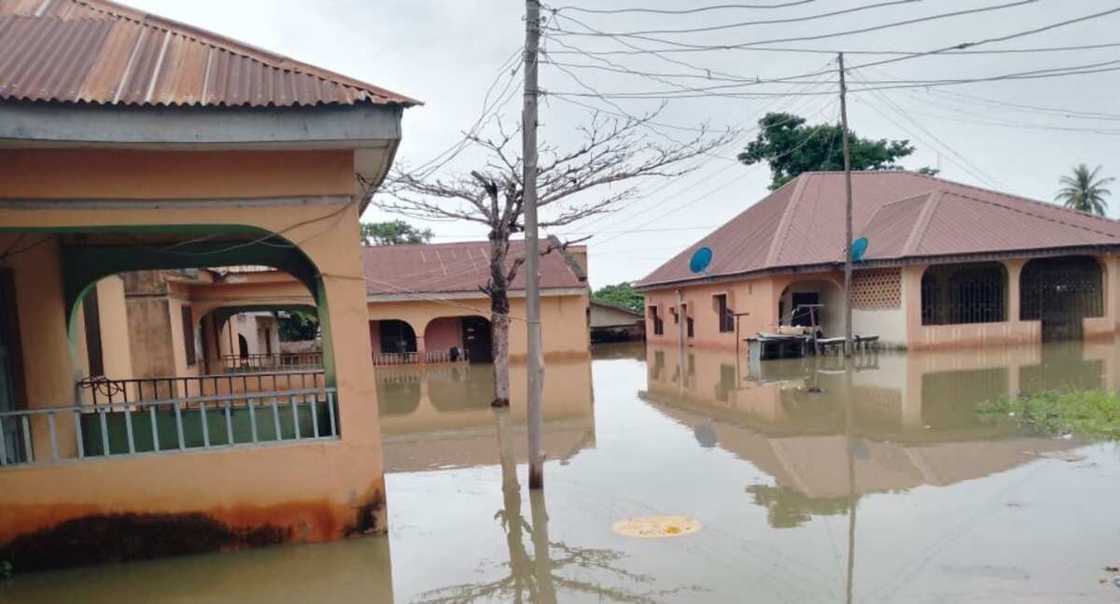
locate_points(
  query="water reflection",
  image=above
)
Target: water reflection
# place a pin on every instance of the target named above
(541, 569)
(440, 416)
(812, 482)
(893, 422)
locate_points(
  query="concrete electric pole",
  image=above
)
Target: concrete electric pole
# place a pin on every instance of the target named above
(532, 249)
(847, 214)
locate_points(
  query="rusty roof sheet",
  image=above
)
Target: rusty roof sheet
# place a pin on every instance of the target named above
(903, 215)
(462, 267)
(93, 51)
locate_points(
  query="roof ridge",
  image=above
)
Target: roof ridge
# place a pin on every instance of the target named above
(1014, 196)
(1035, 215)
(778, 243)
(231, 45)
(918, 231)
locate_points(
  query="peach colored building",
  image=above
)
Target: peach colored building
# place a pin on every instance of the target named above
(134, 143)
(425, 303)
(946, 265)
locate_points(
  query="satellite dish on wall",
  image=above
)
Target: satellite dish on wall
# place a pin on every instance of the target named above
(701, 258)
(859, 248)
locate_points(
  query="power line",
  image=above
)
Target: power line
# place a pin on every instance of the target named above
(726, 26)
(952, 49)
(953, 156)
(833, 51)
(984, 120)
(1055, 72)
(1022, 107)
(665, 192)
(713, 190)
(688, 47)
(683, 11)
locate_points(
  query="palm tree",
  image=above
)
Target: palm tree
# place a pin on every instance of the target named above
(1084, 190)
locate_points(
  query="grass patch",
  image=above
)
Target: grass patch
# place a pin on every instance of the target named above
(1084, 412)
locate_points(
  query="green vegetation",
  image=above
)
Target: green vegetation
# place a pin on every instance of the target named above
(1084, 190)
(1084, 412)
(791, 147)
(298, 326)
(6, 569)
(621, 294)
(393, 232)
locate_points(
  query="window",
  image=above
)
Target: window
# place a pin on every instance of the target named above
(688, 321)
(956, 294)
(91, 319)
(188, 333)
(658, 323)
(726, 315)
(1065, 286)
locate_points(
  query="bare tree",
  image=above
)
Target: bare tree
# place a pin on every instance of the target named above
(613, 151)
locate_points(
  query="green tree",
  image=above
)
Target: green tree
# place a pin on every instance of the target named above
(1084, 190)
(393, 232)
(621, 294)
(791, 146)
(298, 326)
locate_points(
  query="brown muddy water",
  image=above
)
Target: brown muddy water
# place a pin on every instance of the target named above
(808, 482)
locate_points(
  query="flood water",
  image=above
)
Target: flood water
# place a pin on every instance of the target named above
(811, 483)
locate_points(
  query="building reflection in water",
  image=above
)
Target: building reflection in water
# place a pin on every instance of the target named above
(539, 569)
(904, 420)
(831, 431)
(439, 417)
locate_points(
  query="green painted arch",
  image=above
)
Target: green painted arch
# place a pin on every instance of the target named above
(84, 266)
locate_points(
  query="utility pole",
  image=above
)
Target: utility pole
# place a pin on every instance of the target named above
(532, 249)
(847, 213)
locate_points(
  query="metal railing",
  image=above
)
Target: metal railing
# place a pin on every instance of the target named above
(79, 432)
(408, 358)
(100, 390)
(274, 361)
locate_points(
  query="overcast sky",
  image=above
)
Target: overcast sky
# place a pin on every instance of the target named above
(448, 52)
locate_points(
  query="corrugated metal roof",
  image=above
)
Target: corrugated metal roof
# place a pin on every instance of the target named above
(452, 267)
(93, 51)
(903, 215)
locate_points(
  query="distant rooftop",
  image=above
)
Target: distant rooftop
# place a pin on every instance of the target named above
(94, 51)
(464, 267)
(903, 215)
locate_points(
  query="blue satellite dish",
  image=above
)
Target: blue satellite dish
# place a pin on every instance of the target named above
(859, 248)
(701, 258)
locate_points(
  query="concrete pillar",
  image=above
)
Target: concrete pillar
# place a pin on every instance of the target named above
(1014, 271)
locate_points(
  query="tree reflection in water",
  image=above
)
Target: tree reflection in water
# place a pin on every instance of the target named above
(538, 577)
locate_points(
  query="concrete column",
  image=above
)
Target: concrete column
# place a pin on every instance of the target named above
(1014, 271)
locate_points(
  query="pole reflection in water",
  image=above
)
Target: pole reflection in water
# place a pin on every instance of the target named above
(538, 577)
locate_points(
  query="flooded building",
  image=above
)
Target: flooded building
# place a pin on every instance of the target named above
(426, 302)
(614, 323)
(135, 143)
(946, 265)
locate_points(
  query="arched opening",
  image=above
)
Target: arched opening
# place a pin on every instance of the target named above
(396, 337)
(242, 346)
(812, 305)
(955, 294)
(451, 339)
(1060, 292)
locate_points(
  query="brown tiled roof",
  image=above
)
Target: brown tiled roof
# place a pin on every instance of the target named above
(452, 268)
(902, 214)
(93, 51)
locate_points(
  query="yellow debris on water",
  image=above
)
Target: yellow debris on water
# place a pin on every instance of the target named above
(654, 527)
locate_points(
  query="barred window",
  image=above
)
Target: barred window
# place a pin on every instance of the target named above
(955, 294)
(1069, 285)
